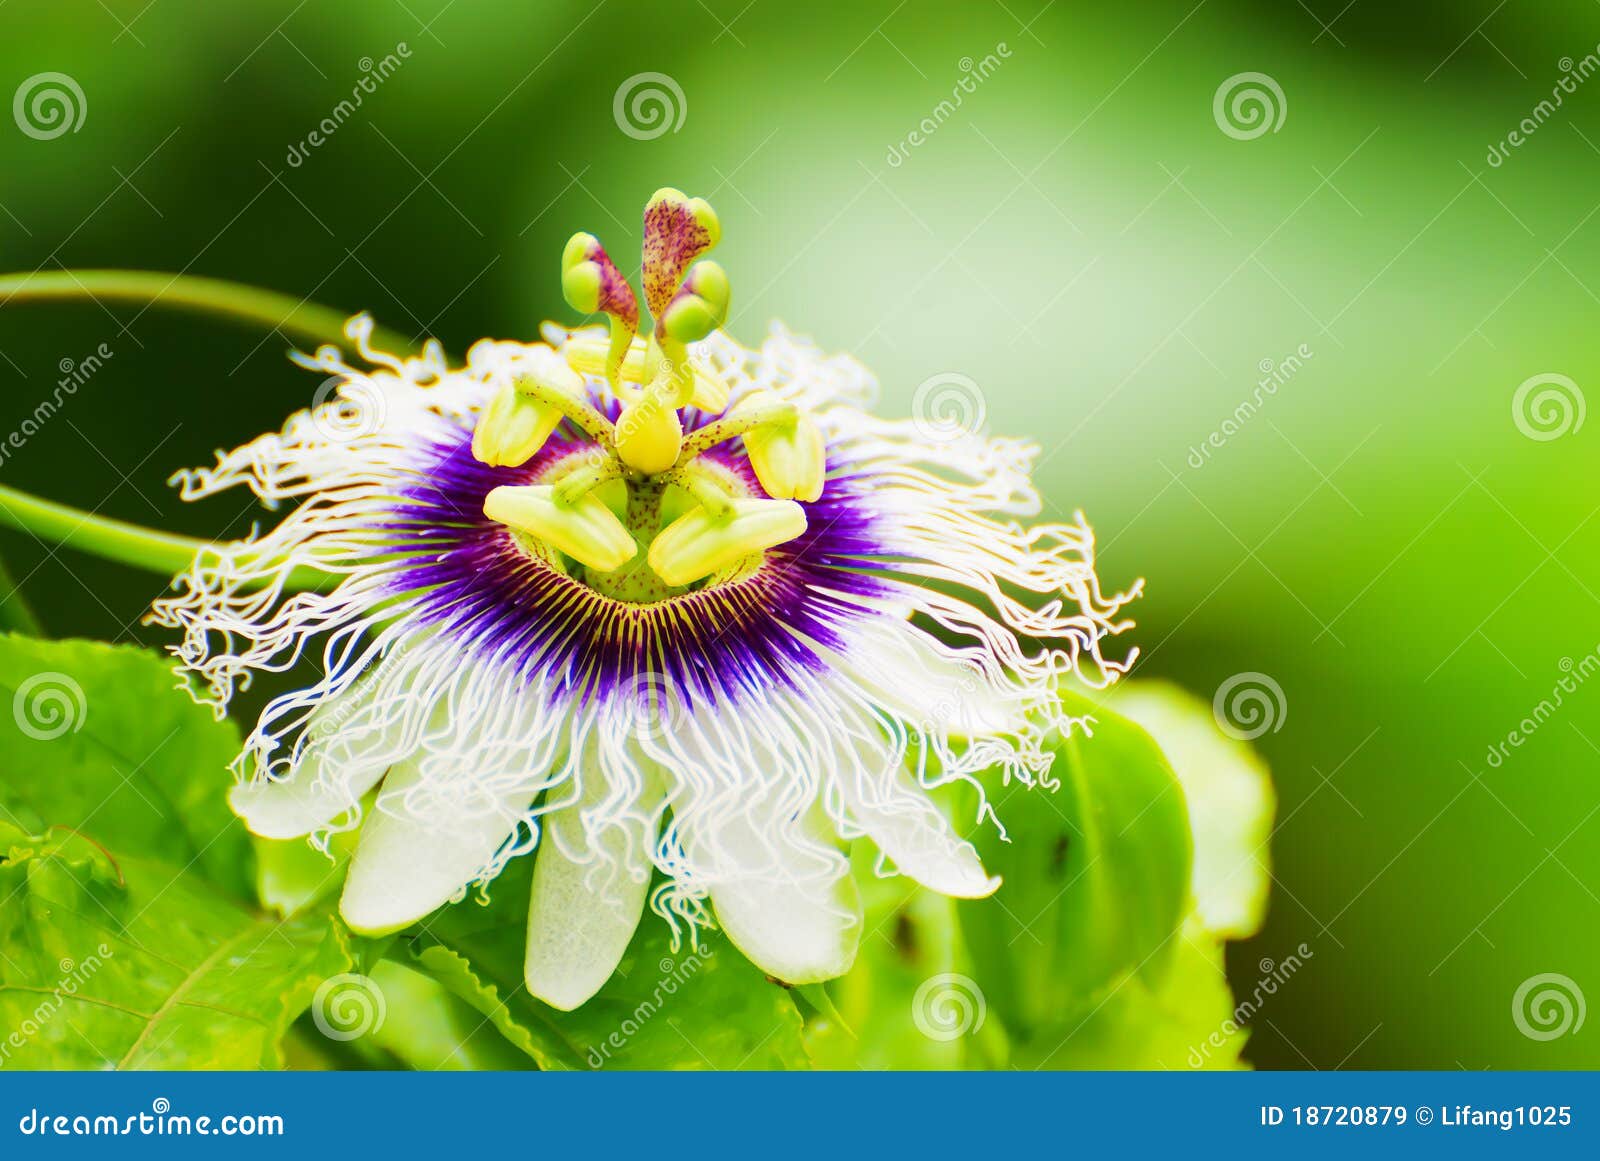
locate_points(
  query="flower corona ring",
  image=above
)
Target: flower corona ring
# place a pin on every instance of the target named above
(676, 619)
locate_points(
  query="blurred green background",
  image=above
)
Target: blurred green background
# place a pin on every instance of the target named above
(1083, 240)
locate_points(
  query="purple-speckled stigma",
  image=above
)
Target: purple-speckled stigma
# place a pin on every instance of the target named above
(470, 580)
(673, 238)
(616, 296)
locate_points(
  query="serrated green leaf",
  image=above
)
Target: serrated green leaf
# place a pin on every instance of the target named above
(429, 1028)
(125, 962)
(663, 1009)
(1096, 878)
(99, 740)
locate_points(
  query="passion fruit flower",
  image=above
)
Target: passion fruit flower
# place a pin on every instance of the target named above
(640, 608)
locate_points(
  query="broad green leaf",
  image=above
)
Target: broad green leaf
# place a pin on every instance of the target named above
(116, 961)
(663, 1009)
(1182, 1021)
(1230, 799)
(910, 1001)
(98, 739)
(292, 875)
(1096, 877)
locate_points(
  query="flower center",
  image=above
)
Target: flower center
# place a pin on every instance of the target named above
(645, 506)
(645, 512)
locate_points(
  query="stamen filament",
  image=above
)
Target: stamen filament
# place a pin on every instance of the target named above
(596, 426)
(579, 483)
(733, 426)
(617, 348)
(703, 487)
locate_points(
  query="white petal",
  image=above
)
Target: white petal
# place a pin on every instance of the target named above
(299, 804)
(344, 759)
(800, 920)
(801, 934)
(743, 784)
(585, 909)
(351, 739)
(410, 861)
(905, 824)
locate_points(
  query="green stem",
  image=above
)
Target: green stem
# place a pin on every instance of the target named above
(216, 296)
(132, 544)
(117, 540)
(16, 613)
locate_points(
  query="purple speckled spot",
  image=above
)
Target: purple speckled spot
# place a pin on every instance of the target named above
(673, 238)
(616, 296)
(472, 582)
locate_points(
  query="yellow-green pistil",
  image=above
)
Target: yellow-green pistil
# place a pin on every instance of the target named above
(644, 484)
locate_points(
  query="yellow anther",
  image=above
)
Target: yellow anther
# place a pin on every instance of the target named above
(785, 450)
(700, 543)
(585, 530)
(582, 279)
(512, 429)
(519, 418)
